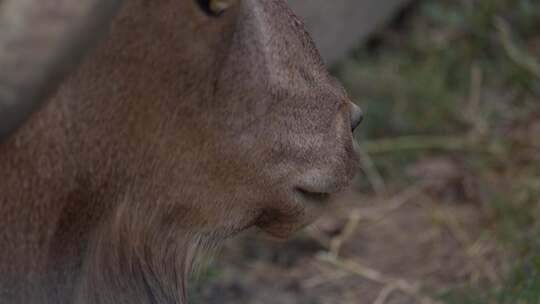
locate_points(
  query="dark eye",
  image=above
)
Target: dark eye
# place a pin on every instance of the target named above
(215, 7)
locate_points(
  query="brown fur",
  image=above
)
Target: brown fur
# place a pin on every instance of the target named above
(178, 131)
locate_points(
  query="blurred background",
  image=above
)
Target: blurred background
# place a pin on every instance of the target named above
(446, 207)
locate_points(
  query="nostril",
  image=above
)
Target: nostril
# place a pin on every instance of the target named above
(356, 116)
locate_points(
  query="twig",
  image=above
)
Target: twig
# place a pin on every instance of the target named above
(472, 249)
(519, 57)
(447, 143)
(357, 215)
(397, 201)
(477, 251)
(384, 294)
(476, 256)
(474, 115)
(337, 242)
(320, 280)
(475, 90)
(315, 233)
(412, 289)
(372, 173)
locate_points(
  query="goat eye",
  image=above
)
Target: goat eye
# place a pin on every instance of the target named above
(215, 7)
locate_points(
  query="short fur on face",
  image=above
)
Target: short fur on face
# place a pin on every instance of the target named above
(179, 130)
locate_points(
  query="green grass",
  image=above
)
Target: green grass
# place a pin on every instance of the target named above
(522, 286)
(464, 69)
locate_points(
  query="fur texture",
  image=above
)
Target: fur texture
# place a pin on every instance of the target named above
(179, 130)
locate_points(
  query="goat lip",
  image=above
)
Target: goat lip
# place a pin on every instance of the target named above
(318, 183)
(314, 196)
(283, 226)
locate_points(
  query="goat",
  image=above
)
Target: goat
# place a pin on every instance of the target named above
(137, 133)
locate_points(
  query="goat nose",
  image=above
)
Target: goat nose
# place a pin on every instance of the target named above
(356, 116)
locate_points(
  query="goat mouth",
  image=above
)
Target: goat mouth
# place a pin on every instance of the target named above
(316, 197)
(303, 208)
(281, 225)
